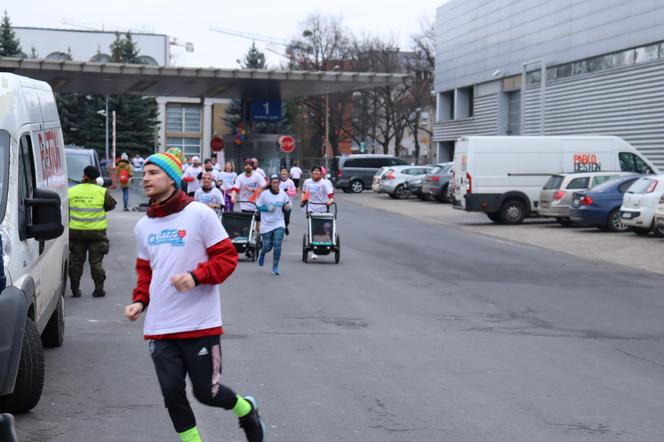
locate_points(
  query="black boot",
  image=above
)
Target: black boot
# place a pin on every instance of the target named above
(75, 291)
(99, 293)
(7, 431)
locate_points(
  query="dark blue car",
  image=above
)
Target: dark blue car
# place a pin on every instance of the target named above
(600, 207)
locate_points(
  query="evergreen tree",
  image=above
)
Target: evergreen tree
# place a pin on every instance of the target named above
(9, 44)
(136, 117)
(255, 59)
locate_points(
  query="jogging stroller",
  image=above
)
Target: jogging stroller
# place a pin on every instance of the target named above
(241, 228)
(321, 236)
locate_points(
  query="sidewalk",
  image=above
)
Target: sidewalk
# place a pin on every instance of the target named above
(627, 249)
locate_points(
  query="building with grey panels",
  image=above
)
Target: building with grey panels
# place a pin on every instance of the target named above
(603, 62)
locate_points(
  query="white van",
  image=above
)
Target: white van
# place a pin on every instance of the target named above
(34, 237)
(503, 176)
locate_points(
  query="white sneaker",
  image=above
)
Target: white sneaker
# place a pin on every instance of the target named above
(314, 257)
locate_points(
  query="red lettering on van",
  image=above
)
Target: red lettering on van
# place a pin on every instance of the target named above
(586, 162)
(49, 152)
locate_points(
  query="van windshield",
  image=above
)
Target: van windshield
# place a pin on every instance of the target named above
(4, 171)
(76, 162)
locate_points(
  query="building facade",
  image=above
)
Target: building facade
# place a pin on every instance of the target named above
(591, 67)
(188, 123)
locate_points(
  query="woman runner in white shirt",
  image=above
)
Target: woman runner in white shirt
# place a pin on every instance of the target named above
(272, 203)
(226, 183)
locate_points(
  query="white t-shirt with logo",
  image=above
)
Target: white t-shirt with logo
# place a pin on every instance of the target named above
(193, 172)
(176, 244)
(246, 186)
(288, 186)
(213, 196)
(227, 179)
(295, 173)
(274, 218)
(318, 194)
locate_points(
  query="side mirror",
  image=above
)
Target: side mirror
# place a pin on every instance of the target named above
(46, 215)
(108, 182)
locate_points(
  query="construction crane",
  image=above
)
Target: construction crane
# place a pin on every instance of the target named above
(251, 36)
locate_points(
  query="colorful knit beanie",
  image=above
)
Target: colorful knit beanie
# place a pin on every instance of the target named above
(177, 153)
(169, 163)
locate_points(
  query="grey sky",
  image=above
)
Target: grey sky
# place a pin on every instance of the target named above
(190, 20)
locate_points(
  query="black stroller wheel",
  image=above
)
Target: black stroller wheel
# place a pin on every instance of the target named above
(305, 250)
(337, 251)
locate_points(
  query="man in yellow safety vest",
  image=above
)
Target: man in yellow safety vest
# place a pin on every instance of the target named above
(88, 204)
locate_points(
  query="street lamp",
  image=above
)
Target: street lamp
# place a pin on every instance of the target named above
(104, 113)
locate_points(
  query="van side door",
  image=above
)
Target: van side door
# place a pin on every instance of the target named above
(30, 249)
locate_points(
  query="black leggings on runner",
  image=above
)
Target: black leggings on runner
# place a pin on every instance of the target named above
(201, 359)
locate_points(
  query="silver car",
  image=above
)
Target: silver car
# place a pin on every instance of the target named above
(378, 179)
(397, 180)
(556, 195)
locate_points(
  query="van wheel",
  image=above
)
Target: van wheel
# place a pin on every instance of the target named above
(495, 217)
(30, 377)
(512, 212)
(54, 333)
(356, 186)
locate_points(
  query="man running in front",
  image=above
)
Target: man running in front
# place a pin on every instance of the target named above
(183, 253)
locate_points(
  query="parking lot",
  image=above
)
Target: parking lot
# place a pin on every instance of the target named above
(628, 249)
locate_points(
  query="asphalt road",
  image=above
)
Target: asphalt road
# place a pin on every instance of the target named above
(421, 333)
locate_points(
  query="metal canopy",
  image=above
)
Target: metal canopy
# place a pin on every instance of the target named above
(137, 79)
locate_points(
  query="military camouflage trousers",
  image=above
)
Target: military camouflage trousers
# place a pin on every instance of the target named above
(93, 244)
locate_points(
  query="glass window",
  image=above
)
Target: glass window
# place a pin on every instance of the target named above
(626, 185)
(534, 77)
(4, 171)
(514, 113)
(437, 170)
(597, 180)
(626, 162)
(647, 53)
(189, 146)
(641, 166)
(580, 67)
(640, 185)
(192, 118)
(376, 162)
(554, 182)
(75, 165)
(564, 70)
(183, 118)
(396, 162)
(579, 183)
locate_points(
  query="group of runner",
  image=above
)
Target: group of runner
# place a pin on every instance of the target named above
(183, 254)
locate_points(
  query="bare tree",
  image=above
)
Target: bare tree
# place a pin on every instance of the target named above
(422, 65)
(324, 45)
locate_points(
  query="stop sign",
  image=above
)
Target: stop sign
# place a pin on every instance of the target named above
(287, 143)
(217, 144)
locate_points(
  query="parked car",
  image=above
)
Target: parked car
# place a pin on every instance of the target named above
(34, 214)
(640, 203)
(78, 159)
(659, 216)
(600, 207)
(556, 195)
(503, 176)
(400, 182)
(378, 179)
(354, 173)
(436, 184)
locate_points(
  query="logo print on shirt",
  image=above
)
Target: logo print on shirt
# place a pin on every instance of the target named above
(168, 236)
